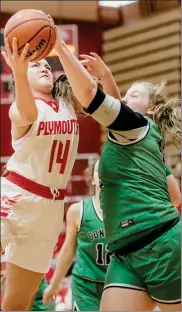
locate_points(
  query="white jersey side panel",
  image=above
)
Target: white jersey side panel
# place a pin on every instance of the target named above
(46, 154)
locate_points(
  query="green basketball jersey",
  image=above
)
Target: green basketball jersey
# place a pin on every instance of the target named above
(92, 254)
(168, 171)
(134, 195)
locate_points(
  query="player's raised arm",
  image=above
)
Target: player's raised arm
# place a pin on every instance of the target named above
(83, 85)
(104, 108)
(143, 100)
(66, 254)
(24, 111)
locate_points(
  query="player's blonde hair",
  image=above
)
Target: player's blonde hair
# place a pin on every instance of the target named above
(62, 89)
(167, 114)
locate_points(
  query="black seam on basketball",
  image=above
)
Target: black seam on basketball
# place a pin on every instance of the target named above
(47, 41)
(33, 19)
(35, 36)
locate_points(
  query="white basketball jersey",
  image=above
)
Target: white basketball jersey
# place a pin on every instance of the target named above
(46, 154)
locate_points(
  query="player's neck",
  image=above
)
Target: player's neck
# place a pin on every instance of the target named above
(44, 96)
(97, 202)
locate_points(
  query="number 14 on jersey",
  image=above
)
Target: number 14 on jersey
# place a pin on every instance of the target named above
(59, 155)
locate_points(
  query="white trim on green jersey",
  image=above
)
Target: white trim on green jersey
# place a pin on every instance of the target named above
(129, 137)
(81, 215)
(96, 211)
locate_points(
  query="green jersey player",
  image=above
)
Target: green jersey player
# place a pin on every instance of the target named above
(93, 257)
(142, 227)
(85, 236)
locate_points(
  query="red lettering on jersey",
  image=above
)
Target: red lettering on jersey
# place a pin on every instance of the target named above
(57, 127)
(77, 127)
(41, 127)
(46, 132)
(64, 127)
(70, 126)
(51, 127)
(52, 155)
(62, 155)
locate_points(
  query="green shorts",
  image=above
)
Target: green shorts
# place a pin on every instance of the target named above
(86, 295)
(156, 268)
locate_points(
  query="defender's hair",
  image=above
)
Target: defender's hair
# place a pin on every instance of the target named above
(167, 114)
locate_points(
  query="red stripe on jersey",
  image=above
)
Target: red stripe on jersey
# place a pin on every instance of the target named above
(35, 188)
(53, 104)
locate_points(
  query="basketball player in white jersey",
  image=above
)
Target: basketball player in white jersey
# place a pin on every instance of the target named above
(45, 141)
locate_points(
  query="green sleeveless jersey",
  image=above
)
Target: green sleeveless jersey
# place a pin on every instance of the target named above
(92, 254)
(134, 194)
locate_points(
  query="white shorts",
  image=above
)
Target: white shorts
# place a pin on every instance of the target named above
(30, 226)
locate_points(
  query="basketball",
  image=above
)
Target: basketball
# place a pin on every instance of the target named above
(33, 27)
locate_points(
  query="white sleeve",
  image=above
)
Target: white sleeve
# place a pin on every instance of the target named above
(81, 215)
(108, 111)
(124, 124)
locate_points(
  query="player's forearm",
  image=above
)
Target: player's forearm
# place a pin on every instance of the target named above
(64, 262)
(109, 85)
(25, 102)
(83, 85)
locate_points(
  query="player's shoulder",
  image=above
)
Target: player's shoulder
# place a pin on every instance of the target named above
(38, 102)
(74, 209)
(154, 128)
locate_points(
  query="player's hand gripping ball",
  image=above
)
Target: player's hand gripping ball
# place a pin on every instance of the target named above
(33, 27)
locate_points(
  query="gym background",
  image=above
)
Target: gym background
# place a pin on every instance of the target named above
(138, 40)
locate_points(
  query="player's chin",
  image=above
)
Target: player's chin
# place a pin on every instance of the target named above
(46, 83)
(44, 88)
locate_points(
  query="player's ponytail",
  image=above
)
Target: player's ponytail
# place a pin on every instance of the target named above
(168, 118)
